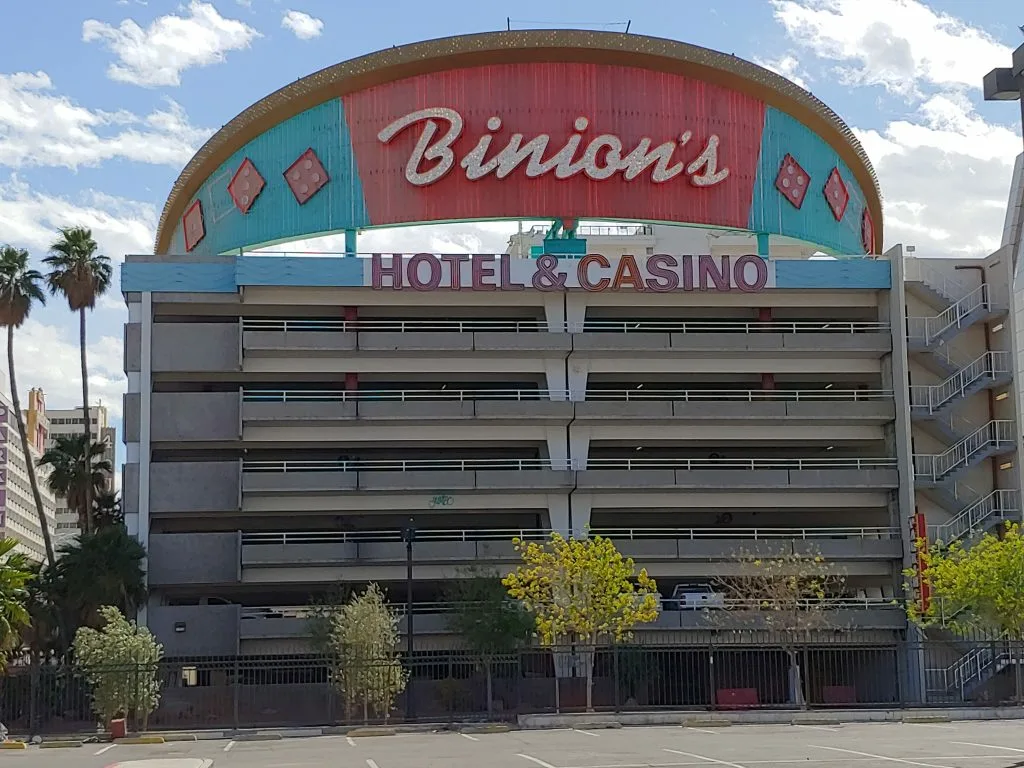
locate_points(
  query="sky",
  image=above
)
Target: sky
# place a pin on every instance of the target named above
(102, 102)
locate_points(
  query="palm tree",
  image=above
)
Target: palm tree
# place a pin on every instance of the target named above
(20, 288)
(106, 509)
(15, 573)
(75, 477)
(80, 275)
(98, 569)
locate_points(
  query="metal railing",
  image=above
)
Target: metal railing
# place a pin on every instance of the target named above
(600, 230)
(999, 501)
(934, 397)
(536, 534)
(945, 285)
(995, 435)
(261, 395)
(422, 325)
(931, 328)
(740, 463)
(463, 465)
(726, 326)
(399, 465)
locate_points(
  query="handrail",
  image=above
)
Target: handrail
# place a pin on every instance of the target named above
(532, 534)
(726, 326)
(255, 394)
(596, 230)
(1000, 500)
(406, 465)
(932, 327)
(741, 463)
(935, 396)
(941, 283)
(936, 466)
(398, 465)
(424, 325)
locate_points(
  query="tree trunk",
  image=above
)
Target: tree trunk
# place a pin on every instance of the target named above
(796, 686)
(590, 687)
(87, 425)
(32, 480)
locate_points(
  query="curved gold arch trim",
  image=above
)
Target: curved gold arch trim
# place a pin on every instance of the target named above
(515, 47)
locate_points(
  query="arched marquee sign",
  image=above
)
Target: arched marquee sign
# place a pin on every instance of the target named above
(533, 124)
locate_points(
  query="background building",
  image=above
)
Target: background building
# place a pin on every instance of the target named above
(69, 422)
(18, 516)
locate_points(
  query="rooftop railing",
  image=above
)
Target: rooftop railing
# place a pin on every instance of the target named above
(410, 465)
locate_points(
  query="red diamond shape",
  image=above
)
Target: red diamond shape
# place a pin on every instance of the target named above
(245, 186)
(306, 176)
(792, 181)
(836, 194)
(192, 223)
(867, 232)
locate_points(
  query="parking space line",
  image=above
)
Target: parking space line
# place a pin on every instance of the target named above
(535, 760)
(880, 757)
(228, 746)
(700, 730)
(815, 727)
(586, 733)
(467, 736)
(351, 741)
(708, 759)
(104, 749)
(989, 746)
(371, 764)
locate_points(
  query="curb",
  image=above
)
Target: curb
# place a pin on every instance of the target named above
(181, 737)
(710, 723)
(258, 737)
(363, 733)
(913, 719)
(485, 728)
(606, 725)
(133, 740)
(814, 721)
(60, 744)
(13, 745)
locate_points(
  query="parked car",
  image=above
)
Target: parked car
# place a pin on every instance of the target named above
(693, 597)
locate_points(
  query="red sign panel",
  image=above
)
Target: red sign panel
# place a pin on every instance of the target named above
(596, 141)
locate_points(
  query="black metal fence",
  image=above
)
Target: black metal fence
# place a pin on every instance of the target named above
(454, 686)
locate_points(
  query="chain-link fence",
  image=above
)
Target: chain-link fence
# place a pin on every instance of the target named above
(457, 687)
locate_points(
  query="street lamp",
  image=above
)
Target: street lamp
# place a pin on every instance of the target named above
(1007, 83)
(409, 535)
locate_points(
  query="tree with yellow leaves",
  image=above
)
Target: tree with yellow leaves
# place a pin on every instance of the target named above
(978, 586)
(790, 594)
(582, 592)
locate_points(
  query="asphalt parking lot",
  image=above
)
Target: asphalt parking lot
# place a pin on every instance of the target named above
(996, 744)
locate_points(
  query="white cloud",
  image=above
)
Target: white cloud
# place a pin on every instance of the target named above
(47, 356)
(302, 24)
(470, 237)
(788, 66)
(158, 54)
(39, 127)
(30, 219)
(898, 44)
(944, 169)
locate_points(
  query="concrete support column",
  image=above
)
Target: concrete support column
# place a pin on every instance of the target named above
(554, 376)
(554, 312)
(145, 452)
(579, 446)
(558, 447)
(579, 370)
(350, 242)
(351, 318)
(575, 310)
(569, 514)
(764, 315)
(558, 514)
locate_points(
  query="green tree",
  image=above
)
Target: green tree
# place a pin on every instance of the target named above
(20, 288)
(791, 595)
(107, 510)
(367, 670)
(582, 591)
(491, 623)
(15, 573)
(320, 618)
(80, 275)
(76, 477)
(120, 661)
(103, 568)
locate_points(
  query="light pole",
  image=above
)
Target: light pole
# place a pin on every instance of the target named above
(409, 534)
(1007, 83)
